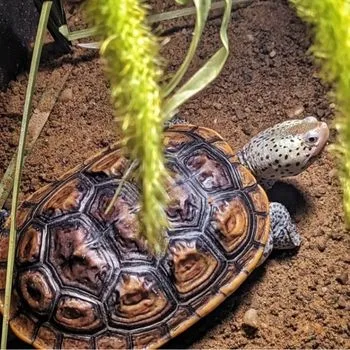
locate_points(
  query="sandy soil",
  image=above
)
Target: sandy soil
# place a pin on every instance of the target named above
(303, 299)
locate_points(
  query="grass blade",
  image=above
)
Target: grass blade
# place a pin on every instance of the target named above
(202, 8)
(207, 73)
(45, 12)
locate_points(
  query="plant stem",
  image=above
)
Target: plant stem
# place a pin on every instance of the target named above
(158, 17)
(44, 16)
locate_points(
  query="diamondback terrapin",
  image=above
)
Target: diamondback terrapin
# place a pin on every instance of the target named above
(85, 279)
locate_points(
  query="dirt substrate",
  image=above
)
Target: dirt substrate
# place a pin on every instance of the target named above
(302, 299)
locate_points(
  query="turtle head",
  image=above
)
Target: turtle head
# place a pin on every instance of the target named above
(285, 149)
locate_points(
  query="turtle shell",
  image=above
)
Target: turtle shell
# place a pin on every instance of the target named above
(85, 279)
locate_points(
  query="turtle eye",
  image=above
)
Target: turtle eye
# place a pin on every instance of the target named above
(312, 139)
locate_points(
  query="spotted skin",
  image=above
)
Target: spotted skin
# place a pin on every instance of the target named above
(4, 214)
(285, 149)
(284, 234)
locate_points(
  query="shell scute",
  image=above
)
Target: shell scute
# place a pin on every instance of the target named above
(38, 290)
(68, 198)
(29, 245)
(75, 342)
(175, 141)
(208, 135)
(46, 338)
(259, 199)
(77, 256)
(193, 266)
(246, 176)
(138, 298)
(109, 341)
(211, 174)
(187, 207)
(111, 165)
(74, 313)
(231, 223)
(142, 340)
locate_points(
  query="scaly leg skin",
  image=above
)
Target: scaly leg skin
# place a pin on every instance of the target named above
(283, 233)
(4, 214)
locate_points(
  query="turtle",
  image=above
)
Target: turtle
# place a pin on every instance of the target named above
(86, 278)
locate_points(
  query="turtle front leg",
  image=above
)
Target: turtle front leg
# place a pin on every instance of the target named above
(283, 233)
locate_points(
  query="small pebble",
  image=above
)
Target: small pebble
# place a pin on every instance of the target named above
(66, 95)
(250, 37)
(217, 105)
(342, 302)
(273, 53)
(322, 244)
(251, 318)
(247, 130)
(343, 278)
(295, 112)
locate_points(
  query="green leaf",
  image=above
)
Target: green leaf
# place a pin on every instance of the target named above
(202, 9)
(205, 75)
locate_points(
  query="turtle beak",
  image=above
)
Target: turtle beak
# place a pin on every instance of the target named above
(323, 132)
(323, 135)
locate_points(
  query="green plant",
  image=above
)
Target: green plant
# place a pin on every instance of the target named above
(131, 53)
(330, 20)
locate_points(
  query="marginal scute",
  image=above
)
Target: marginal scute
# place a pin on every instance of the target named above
(66, 199)
(246, 176)
(229, 275)
(263, 228)
(75, 313)
(24, 326)
(192, 264)
(259, 199)
(37, 290)
(28, 249)
(27, 206)
(78, 259)
(180, 315)
(138, 298)
(113, 164)
(144, 339)
(224, 147)
(46, 338)
(183, 127)
(23, 214)
(174, 141)
(209, 135)
(211, 303)
(75, 342)
(248, 258)
(210, 173)
(231, 223)
(114, 341)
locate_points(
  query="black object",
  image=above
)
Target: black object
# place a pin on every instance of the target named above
(57, 19)
(18, 25)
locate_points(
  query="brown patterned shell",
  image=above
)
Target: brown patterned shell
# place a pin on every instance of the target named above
(85, 280)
